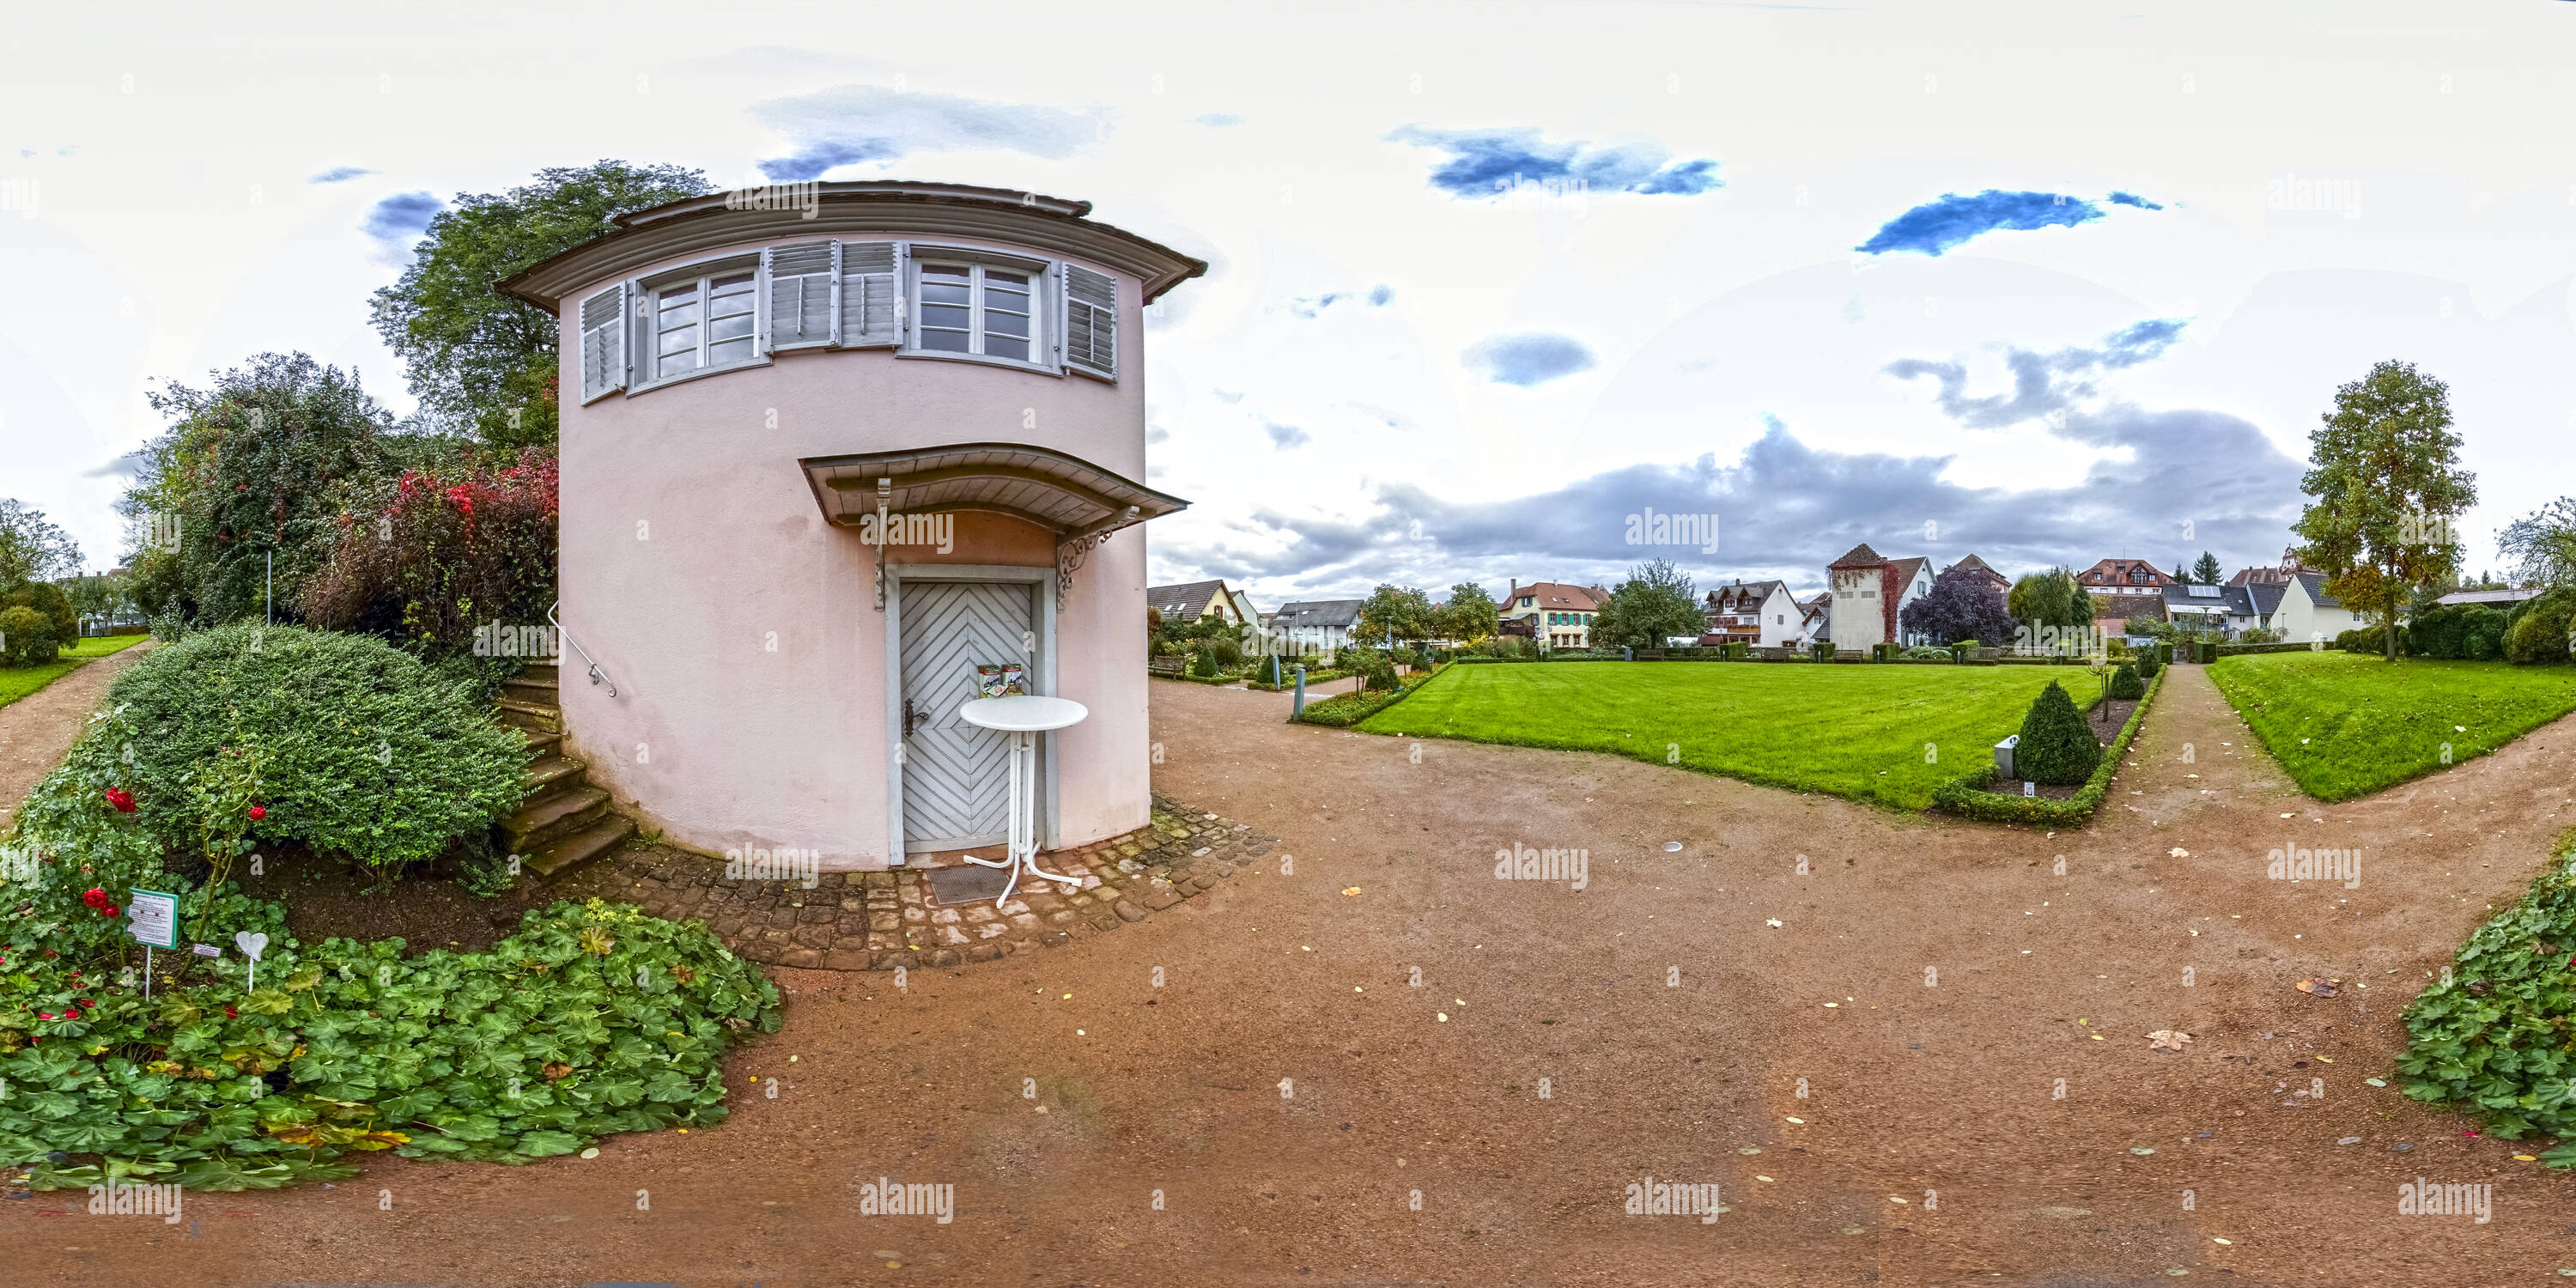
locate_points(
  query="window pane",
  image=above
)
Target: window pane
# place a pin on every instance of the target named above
(997, 278)
(945, 341)
(724, 351)
(952, 316)
(1004, 347)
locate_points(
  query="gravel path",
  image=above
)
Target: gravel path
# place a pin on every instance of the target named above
(1253, 1089)
(37, 729)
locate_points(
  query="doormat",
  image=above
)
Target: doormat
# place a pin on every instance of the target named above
(968, 883)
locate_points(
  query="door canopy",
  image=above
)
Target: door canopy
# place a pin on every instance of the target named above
(1076, 500)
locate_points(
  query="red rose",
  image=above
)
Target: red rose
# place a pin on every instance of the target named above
(108, 911)
(231, 1014)
(120, 798)
(258, 812)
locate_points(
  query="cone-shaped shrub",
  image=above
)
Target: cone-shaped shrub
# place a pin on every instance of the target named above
(2055, 746)
(2126, 684)
(2147, 664)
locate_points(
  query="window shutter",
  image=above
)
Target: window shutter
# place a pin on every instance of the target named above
(603, 342)
(1091, 321)
(871, 282)
(802, 306)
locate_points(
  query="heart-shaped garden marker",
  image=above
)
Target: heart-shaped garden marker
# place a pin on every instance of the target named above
(252, 943)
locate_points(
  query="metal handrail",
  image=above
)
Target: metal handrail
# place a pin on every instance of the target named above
(597, 676)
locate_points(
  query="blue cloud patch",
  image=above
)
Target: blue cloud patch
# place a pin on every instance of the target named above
(1218, 120)
(396, 220)
(1284, 437)
(862, 123)
(1487, 163)
(1937, 226)
(1529, 359)
(1380, 294)
(340, 174)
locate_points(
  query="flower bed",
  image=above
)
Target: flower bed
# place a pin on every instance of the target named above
(1345, 710)
(592, 1019)
(1967, 796)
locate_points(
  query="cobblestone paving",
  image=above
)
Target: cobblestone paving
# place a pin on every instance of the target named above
(882, 920)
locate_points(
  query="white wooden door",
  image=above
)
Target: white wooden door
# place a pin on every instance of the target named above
(956, 776)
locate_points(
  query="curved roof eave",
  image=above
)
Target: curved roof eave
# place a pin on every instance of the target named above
(725, 218)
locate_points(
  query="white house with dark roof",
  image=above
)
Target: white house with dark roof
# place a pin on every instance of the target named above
(2307, 612)
(1760, 613)
(1870, 592)
(1313, 625)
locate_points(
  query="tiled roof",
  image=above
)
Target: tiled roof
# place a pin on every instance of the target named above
(2266, 596)
(2115, 572)
(1187, 600)
(1861, 556)
(1557, 596)
(1318, 612)
(2316, 586)
(1906, 568)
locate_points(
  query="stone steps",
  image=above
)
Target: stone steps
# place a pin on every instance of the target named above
(581, 846)
(564, 821)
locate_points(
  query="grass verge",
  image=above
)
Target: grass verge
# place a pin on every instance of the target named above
(2348, 724)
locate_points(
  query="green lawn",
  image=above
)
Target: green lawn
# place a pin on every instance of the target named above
(1852, 731)
(18, 681)
(2349, 724)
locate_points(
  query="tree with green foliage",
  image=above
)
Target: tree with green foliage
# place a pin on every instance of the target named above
(2387, 486)
(2051, 598)
(245, 472)
(482, 362)
(31, 547)
(2056, 746)
(1470, 615)
(2207, 572)
(2542, 545)
(1392, 614)
(105, 596)
(1656, 603)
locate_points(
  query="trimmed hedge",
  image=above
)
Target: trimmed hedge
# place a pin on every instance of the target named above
(1187, 678)
(2239, 650)
(1967, 796)
(1348, 709)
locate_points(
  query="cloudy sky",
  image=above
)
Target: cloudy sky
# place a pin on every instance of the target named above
(2048, 282)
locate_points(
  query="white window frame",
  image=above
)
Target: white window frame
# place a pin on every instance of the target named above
(1043, 295)
(645, 333)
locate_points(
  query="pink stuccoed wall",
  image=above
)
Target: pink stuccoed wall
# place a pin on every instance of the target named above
(690, 538)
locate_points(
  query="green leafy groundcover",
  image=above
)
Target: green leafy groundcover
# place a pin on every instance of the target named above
(1344, 710)
(2495, 1038)
(592, 1019)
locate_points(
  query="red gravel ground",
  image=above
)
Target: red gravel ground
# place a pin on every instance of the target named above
(1915, 1088)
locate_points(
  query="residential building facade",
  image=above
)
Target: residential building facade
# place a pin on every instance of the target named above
(942, 487)
(1760, 613)
(1870, 592)
(1555, 614)
(1315, 625)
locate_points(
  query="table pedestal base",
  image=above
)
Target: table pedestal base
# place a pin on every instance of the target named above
(1023, 855)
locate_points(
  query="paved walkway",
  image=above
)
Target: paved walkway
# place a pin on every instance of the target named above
(37, 729)
(886, 920)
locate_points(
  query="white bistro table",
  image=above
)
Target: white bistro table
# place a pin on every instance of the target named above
(1024, 717)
